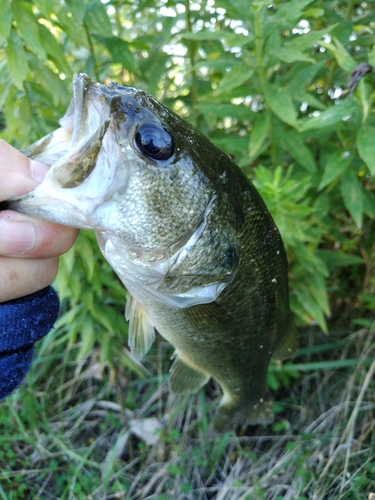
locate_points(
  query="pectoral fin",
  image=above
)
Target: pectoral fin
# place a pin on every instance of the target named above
(141, 331)
(185, 378)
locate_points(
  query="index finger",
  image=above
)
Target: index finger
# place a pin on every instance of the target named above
(18, 173)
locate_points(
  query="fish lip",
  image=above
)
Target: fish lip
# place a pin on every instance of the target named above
(81, 83)
(72, 120)
(41, 207)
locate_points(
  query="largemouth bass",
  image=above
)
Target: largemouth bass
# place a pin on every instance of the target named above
(186, 232)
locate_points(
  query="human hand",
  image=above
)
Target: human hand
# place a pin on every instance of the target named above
(29, 247)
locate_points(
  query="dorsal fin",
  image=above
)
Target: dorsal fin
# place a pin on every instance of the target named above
(141, 331)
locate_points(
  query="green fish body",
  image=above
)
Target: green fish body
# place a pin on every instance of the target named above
(186, 232)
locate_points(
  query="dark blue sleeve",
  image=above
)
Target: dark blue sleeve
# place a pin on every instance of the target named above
(22, 322)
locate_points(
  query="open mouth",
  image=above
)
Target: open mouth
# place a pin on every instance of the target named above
(71, 150)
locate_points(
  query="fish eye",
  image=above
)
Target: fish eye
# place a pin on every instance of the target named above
(154, 141)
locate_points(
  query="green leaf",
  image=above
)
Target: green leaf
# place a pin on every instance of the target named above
(17, 61)
(229, 37)
(308, 304)
(5, 93)
(368, 203)
(290, 55)
(335, 167)
(301, 75)
(77, 8)
(318, 290)
(97, 19)
(69, 25)
(342, 56)
(85, 250)
(120, 52)
(366, 146)
(258, 134)
(371, 56)
(87, 337)
(352, 196)
(55, 88)
(5, 17)
(335, 114)
(311, 100)
(27, 25)
(289, 12)
(237, 111)
(280, 102)
(293, 144)
(234, 78)
(306, 41)
(54, 50)
(57, 13)
(314, 13)
(338, 258)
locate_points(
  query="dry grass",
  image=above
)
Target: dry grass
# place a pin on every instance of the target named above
(72, 433)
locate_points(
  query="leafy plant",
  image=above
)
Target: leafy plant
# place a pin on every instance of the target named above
(268, 83)
(287, 89)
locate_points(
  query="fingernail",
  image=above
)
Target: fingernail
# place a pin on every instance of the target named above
(16, 238)
(38, 170)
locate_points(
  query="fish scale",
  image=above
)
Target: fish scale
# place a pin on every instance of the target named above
(186, 232)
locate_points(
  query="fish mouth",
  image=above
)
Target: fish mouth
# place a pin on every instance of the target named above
(71, 150)
(71, 153)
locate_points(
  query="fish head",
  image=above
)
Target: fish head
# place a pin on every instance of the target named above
(122, 164)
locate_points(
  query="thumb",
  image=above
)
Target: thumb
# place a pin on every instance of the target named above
(18, 173)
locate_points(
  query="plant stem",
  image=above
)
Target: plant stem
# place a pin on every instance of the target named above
(259, 47)
(92, 52)
(263, 74)
(349, 10)
(192, 51)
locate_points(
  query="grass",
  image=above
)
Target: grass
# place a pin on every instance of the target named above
(72, 431)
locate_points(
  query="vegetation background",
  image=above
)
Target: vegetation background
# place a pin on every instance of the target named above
(286, 88)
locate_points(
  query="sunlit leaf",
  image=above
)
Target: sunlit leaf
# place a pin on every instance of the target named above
(97, 19)
(77, 8)
(54, 50)
(314, 12)
(17, 61)
(120, 52)
(5, 17)
(28, 28)
(69, 25)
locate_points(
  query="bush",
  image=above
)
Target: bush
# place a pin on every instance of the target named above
(274, 85)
